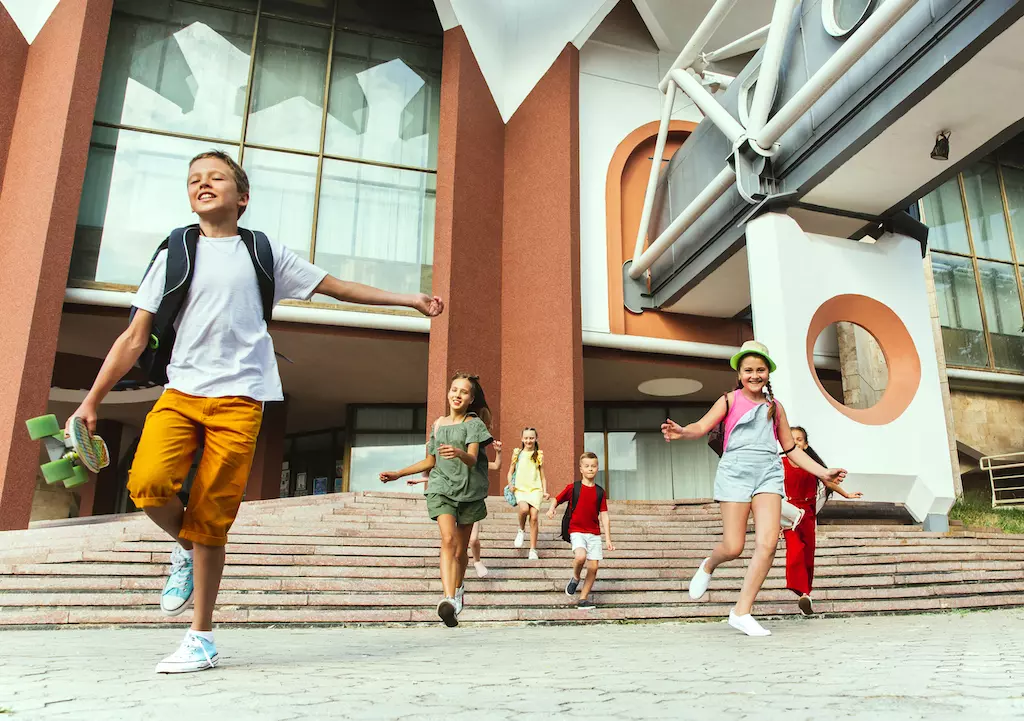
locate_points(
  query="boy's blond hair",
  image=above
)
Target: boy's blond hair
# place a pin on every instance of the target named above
(589, 454)
(241, 177)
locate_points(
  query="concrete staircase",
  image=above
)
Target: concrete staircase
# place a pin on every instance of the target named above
(372, 557)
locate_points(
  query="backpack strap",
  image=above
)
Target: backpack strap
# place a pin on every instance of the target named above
(600, 497)
(262, 256)
(181, 266)
(576, 486)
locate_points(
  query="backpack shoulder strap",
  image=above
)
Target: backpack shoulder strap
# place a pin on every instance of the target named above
(181, 265)
(600, 497)
(576, 486)
(262, 256)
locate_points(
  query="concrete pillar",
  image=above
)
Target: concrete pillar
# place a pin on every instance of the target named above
(46, 157)
(467, 235)
(13, 56)
(541, 341)
(265, 474)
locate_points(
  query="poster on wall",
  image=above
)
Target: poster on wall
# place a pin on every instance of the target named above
(320, 486)
(300, 484)
(339, 484)
(286, 483)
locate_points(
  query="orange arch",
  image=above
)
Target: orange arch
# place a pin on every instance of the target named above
(625, 186)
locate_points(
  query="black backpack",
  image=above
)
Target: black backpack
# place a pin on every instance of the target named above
(181, 262)
(576, 486)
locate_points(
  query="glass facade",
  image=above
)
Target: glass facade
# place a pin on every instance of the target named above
(332, 109)
(976, 224)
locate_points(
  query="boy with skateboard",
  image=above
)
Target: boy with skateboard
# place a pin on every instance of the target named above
(220, 369)
(586, 515)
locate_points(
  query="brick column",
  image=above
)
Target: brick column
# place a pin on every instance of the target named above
(46, 158)
(13, 56)
(467, 235)
(265, 474)
(542, 343)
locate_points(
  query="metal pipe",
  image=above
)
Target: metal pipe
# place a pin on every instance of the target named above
(879, 23)
(711, 108)
(664, 346)
(699, 39)
(771, 62)
(717, 79)
(747, 43)
(714, 190)
(284, 313)
(652, 181)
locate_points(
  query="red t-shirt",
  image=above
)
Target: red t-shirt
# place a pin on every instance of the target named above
(586, 515)
(800, 484)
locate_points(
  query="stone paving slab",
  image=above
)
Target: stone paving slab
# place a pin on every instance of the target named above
(892, 668)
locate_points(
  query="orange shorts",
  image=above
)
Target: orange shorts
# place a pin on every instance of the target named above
(167, 448)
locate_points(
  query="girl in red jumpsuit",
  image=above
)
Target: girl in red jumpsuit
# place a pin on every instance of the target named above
(802, 491)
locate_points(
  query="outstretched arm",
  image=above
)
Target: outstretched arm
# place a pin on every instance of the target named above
(350, 292)
(673, 431)
(425, 465)
(120, 359)
(797, 455)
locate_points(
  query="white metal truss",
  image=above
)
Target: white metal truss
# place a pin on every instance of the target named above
(760, 136)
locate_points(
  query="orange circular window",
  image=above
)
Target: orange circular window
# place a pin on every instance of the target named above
(897, 346)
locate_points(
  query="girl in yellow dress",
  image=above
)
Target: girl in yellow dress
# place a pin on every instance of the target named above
(526, 476)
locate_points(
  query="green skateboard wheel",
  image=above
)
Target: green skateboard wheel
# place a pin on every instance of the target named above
(81, 476)
(42, 427)
(58, 470)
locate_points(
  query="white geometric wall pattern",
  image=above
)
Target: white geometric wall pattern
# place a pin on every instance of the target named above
(516, 42)
(29, 15)
(896, 451)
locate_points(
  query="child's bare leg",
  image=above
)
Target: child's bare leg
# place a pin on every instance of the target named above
(474, 542)
(767, 508)
(523, 509)
(734, 534)
(449, 553)
(534, 527)
(463, 535)
(170, 517)
(208, 570)
(578, 560)
(591, 577)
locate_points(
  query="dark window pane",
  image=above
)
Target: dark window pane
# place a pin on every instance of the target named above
(1003, 313)
(956, 294)
(1013, 180)
(319, 11)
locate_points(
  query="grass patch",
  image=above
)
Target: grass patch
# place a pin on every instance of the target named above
(975, 509)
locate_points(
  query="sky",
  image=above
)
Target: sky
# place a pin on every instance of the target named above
(29, 15)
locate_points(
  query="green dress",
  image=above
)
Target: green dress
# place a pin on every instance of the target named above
(452, 478)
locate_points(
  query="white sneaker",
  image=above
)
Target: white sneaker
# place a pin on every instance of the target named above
(446, 610)
(194, 654)
(520, 537)
(481, 569)
(460, 596)
(700, 581)
(748, 624)
(533, 555)
(806, 607)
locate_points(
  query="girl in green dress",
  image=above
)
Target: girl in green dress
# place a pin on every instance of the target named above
(457, 489)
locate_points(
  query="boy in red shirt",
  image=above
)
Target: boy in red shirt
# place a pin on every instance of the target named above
(589, 516)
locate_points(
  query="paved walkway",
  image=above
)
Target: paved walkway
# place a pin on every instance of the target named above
(952, 666)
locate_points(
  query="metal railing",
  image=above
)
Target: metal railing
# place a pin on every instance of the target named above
(761, 134)
(1006, 474)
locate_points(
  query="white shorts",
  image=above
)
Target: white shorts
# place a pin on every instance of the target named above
(590, 542)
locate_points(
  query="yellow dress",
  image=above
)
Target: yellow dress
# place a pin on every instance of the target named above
(527, 482)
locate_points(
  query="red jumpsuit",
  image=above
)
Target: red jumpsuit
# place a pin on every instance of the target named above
(801, 491)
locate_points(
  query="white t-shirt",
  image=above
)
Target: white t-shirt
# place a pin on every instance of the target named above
(222, 346)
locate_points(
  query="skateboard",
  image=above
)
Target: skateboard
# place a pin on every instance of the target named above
(73, 452)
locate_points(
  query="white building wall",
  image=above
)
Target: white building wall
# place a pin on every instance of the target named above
(618, 94)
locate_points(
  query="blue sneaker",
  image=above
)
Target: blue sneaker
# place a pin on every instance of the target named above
(177, 593)
(194, 654)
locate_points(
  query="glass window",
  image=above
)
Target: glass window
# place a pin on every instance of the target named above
(176, 67)
(282, 191)
(1003, 313)
(376, 452)
(1013, 181)
(963, 335)
(944, 214)
(134, 194)
(384, 100)
(288, 86)
(382, 418)
(641, 418)
(376, 225)
(594, 443)
(350, 187)
(985, 208)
